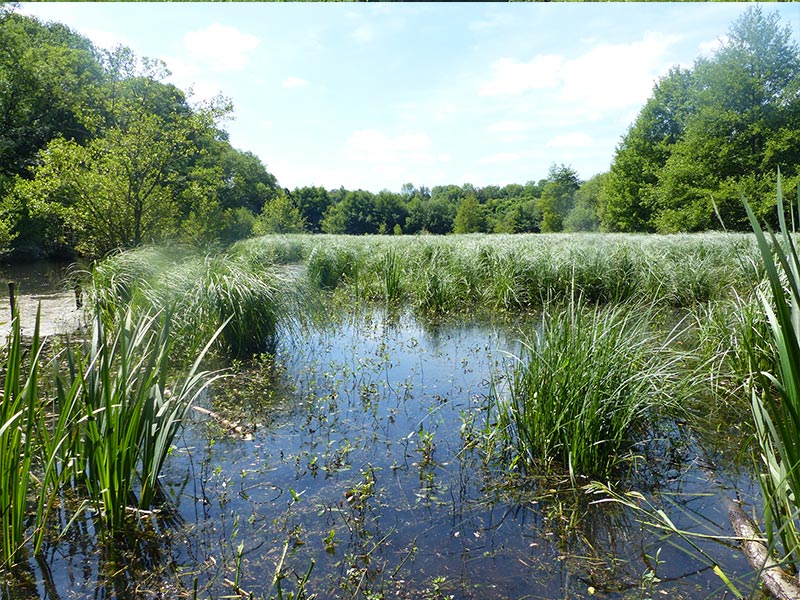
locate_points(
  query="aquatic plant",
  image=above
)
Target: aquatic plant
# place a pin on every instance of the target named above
(18, 416)
(129, 416)
(518, 272)
(588, 383)
(201, 292)
(776, 402)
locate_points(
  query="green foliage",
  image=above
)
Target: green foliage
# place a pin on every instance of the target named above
(520, 272)
(589, 384)
(18, 418)
(130, 416)
(235, 291)
(584, 215)
(730, 121)
(100, 154)
(776, 404)
(280, 215)
(558, 197)
(469, 216)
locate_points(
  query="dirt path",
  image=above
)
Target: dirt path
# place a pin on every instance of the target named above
(59, 314)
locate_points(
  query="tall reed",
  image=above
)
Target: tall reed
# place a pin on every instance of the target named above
(129, 415)
(589, 383)
(776, 403)
(18, 416)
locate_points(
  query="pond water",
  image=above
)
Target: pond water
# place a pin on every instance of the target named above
(40, 285)
(361, 462)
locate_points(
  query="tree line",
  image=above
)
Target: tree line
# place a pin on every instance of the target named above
(98, 152)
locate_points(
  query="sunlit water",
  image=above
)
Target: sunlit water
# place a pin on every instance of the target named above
(361, 464)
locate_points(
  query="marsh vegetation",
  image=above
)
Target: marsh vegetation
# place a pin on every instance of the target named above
(407, 417)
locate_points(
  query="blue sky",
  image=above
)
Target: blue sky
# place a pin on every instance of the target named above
(374, 95)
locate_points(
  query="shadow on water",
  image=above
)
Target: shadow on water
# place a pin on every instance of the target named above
(358, 457)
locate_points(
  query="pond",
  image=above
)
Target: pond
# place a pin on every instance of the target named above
(357, 471)
(40, 284)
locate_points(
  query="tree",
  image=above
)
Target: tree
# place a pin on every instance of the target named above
(280, 215)
(121, 188)
(312, 202)
(631, 184)
(709, 133)
(743, 129)
(470, 217)
(584, 215)
(354, 214)
(49, 77)
(558, 197)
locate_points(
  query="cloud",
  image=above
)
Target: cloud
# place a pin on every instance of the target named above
(616, 75)
(373, 146)
(106, 39)
(571, 140)
(710, 47)
(363, 33)
(294, 82)
(605, 76)
(513, 77)
(220, 47)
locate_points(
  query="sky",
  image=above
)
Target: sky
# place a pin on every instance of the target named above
(372, 96)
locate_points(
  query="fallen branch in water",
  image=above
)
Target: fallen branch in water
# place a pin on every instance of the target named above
(781, 585)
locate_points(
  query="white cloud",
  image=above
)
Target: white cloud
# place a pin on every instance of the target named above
(514, 77)
(363, 33)
(710, 47)
(371, 145)
(106, 39)
(220, 47)
(606, 76)
(294, 82)
(571, 140)
(616, 75)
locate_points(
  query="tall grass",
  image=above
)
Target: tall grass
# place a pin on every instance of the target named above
(520, 272)
(18, 416)
(201, 292)
(588, 385)
(101, 424)
(129, 416)
(776, 404)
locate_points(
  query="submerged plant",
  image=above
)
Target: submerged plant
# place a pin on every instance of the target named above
(776, 404)
(587, 385)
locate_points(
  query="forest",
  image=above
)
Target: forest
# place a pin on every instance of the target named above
(99, 153)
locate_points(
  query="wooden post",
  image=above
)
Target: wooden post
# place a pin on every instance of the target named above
(12, 299)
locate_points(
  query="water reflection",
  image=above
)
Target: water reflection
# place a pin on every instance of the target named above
(363, 462)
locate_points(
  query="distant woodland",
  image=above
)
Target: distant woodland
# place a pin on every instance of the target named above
(98, 153)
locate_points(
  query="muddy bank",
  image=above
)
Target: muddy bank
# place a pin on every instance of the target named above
(59, 315)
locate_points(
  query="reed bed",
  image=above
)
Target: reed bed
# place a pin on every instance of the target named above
(89, 428)
(520, 272)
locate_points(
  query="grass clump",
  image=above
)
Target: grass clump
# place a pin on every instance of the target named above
(586, 387)
(243, 290)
